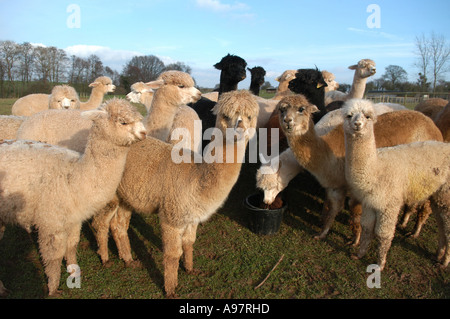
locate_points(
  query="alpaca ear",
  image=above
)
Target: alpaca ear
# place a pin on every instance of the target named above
(94, 114)
(314, 109)
(93, 84)
(155, 84)
(353, 67)
(277, 78)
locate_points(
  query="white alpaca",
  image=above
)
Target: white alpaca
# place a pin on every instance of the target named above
(384, 187)
(101, 86)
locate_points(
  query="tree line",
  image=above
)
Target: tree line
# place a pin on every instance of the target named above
(27, 69)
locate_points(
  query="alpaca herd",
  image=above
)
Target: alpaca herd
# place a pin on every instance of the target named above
(101, 161)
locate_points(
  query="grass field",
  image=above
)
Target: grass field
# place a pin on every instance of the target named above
(231, 261)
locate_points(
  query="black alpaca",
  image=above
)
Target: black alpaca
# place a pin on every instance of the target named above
(257, 79)
(232, 71)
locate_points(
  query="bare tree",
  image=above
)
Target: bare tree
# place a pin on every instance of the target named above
(440, 56)
(26, 51)
(434, 56)
(9, 54)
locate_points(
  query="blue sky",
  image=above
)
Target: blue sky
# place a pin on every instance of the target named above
(277, 35)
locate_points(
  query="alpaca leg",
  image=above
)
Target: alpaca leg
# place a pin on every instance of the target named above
(53, 248)
(73, 238)
(3, 291)
(101, 222)
(355, 221)
(385, 230)
(172, 245)
(368, 220)
(334, 204)
(409, 210)
(188, 241)
(119, 229)
(443, 220)
(2, 229)
(423, 212)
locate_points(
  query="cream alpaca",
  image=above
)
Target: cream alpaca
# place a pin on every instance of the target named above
(363, 70)
(169, 110)
(62, 97)
(383, 187)
(101, 86)
(74, 186)
(183, 194)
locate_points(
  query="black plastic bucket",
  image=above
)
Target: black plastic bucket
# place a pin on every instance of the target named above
(262, 221)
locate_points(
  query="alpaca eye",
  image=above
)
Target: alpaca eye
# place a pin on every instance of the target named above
(181, 86)
(249, 118)
(226, 118)
(123, 123)
(301, 109)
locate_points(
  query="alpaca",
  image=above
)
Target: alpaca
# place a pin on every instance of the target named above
(9, 125)
(323, 156)
(61, 97)
(141, 93)
(363, 70)
(431, 107)
(55, 189)
(170, 109)
(311, 84)
(443, 122)
(183, 194)
(101, 86)
(383, 187)
(257, 79)
(284, 79)
(329, 78)
(174, 89)
(68, 129)
(232, 71)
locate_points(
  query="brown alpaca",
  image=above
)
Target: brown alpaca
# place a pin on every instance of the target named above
(182, 194)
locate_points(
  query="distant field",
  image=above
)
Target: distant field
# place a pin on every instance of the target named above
(231, 261)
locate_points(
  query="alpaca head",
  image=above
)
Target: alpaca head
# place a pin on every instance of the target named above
(237, 110)
(295, 114)
(103, 84)
(311, 84)
(118, 121)
(257, 75)
(177, 88)
(364, 68)
(330, 80)
(286, 76)
(64, 97)
(138, 91)
(359, 116)
(232, 69)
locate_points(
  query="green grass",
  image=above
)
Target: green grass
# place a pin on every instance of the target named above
(231, 260)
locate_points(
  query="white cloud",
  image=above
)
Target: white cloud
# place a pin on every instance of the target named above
(217, 6)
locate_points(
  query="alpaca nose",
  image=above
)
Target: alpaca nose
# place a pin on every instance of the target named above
(288, 120)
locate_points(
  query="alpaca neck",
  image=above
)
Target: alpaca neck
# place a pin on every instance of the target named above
(160, 118)
(95, 99)
(223, 172)
(226, 86)
(358, 87)
(101, 168)
(254, 88)
(309, 148)
(360, 157)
